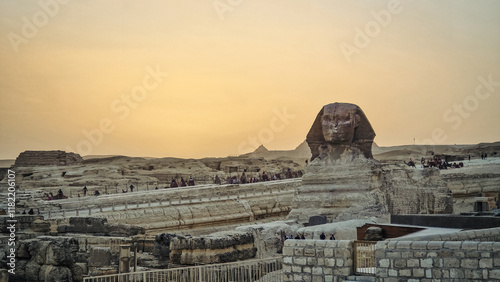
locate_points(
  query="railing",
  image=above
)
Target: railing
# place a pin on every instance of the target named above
(253, 270)
(364, 257)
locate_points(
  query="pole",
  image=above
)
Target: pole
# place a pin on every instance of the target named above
(135, 257)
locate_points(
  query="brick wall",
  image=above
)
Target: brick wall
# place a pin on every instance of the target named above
(317, 260)
(428, 260)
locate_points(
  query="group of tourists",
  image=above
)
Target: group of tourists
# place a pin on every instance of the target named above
(240, 179)
(50, 196)
(300, 236)
(31, 211)
(261, 177)
(436, 162)
(183, 183)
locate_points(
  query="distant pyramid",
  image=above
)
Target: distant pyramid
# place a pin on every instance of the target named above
(301, 151)
(260, 150)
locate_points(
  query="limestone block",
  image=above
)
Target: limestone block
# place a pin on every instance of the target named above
(38, 251)
(78, 270)
(40, 226)
(32, 271)
(51, 273)
(100, 256)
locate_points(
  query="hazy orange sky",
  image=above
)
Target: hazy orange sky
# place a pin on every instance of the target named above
(217, 78)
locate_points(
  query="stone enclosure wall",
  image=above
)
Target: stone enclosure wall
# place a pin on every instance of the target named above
(172, 209)
(466, 256)
(317, 260)
(429, 260)
(483, 235)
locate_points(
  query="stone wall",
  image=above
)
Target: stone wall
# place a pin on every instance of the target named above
(41, 158)
(466, 256)
(483, 235)
(430, 260)
(448, 221)
(174, 209)
(322, 260)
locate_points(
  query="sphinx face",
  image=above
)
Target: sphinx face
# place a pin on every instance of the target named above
(338, 124)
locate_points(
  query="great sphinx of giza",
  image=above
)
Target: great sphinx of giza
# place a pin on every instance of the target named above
(340, 128)
(344, 182)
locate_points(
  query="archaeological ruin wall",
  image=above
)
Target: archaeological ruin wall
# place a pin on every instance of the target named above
(47, 158)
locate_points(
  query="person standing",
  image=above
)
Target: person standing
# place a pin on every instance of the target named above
(85, 191)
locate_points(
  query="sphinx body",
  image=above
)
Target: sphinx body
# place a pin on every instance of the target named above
(344, 182)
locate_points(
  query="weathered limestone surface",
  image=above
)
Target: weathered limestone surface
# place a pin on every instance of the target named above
(269, 236)
(99, 227)
(45, 158)
(470, 182)
(174, 209)
(214, 248)
(343, 181)
(48, 259)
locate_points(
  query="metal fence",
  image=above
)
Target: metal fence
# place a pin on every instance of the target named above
(364, 257)
(265, 270)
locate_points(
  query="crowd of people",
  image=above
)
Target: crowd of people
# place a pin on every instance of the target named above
(300, 236)
(438, 162)
(236, 179)
(174, 184)
(261, 177)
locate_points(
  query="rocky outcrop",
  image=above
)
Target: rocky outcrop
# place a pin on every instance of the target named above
(47, 158)
(215, 248)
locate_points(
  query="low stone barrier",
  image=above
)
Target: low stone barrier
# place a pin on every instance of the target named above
(317, 260)
(483, 235)
(417, 260)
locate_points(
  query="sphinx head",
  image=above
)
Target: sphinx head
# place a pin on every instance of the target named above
(341, 124)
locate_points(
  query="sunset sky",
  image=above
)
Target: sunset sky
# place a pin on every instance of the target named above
(216, 78)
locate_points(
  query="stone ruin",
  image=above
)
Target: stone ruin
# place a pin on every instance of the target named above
(221, 247)
(344, 182)
(47, 158)
(49, 258)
